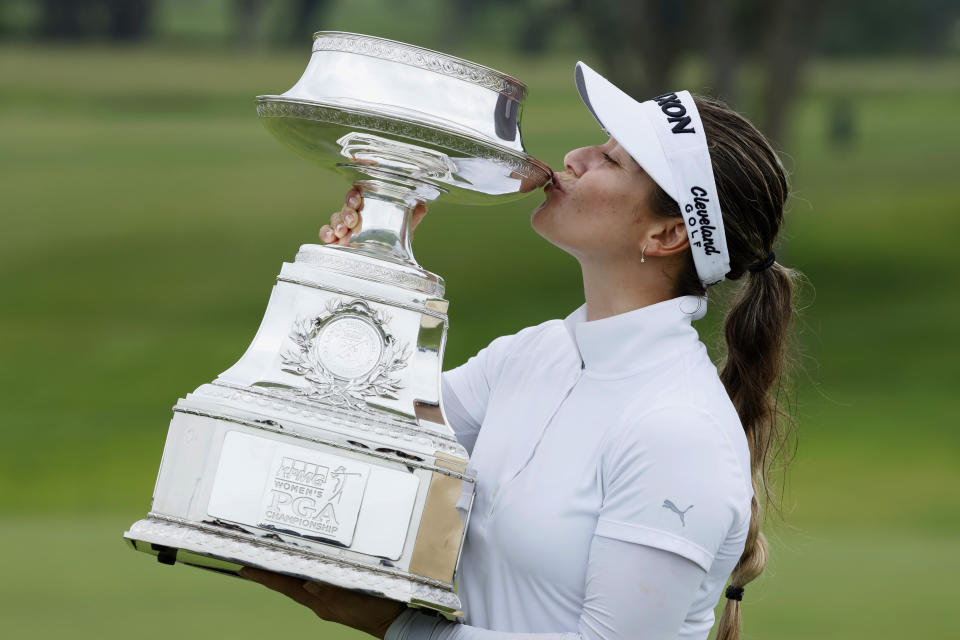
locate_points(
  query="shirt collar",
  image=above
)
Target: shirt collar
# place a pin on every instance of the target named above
(627, 342)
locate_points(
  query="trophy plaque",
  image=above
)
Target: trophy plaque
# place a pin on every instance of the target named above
(323, 453)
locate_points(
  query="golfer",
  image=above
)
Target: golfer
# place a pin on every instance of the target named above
(620, 476)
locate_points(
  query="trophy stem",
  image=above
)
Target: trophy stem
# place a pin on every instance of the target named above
(385, 227)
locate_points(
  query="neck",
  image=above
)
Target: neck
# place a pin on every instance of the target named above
(614, 287)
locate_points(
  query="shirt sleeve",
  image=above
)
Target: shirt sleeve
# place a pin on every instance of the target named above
(466, 389)
(673, 480)
(464, 426)
(632, 591)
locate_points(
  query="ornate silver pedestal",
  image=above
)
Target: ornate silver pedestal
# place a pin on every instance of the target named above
(324, 453)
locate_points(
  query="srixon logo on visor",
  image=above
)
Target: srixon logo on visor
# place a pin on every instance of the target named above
(676, 113)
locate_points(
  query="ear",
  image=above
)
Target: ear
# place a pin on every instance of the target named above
(667, 238)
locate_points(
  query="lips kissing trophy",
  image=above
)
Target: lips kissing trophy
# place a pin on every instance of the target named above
(324, 452)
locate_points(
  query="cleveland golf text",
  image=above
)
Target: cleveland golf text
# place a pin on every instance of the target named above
(700, 201)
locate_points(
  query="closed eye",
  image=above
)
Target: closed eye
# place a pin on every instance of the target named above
(609, 159)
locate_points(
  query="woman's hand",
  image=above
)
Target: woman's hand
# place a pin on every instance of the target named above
(348, 220)
(366, 613)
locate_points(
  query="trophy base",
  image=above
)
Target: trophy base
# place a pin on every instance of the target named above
(208, 548)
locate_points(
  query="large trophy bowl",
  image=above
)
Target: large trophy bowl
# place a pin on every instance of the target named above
(324, 452)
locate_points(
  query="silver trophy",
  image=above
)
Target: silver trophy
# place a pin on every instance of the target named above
(324, 452)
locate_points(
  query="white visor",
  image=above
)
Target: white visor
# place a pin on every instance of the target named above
(665, 136)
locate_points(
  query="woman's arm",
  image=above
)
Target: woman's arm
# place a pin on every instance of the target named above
(632, 591)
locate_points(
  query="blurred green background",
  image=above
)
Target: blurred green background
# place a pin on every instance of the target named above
(146, 214)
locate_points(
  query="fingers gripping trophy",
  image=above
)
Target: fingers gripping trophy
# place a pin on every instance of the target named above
(324, 453)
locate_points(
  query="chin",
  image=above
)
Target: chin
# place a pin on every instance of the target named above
(543, 222)
(538, 215)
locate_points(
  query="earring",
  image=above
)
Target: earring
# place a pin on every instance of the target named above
(642, 250)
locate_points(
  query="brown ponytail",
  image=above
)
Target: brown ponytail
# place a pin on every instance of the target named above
(756, 331)
(752, 187)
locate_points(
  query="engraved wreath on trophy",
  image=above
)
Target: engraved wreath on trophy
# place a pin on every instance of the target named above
(346, 355)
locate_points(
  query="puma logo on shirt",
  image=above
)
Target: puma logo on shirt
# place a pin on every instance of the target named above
(669, 505)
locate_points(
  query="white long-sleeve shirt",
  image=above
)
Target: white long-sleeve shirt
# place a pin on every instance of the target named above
(613, 482)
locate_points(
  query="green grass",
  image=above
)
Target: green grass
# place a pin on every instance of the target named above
(146, 213)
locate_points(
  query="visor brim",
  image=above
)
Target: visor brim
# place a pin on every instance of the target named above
(625, 120)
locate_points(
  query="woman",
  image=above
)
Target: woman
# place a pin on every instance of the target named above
(619, 475)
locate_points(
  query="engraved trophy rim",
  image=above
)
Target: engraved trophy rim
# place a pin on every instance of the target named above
(510, 86)
(427, 129)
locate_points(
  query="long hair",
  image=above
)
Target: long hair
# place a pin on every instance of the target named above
(752, 190)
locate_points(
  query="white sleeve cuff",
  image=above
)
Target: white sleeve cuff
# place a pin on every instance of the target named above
(630, 532)
(413, 624)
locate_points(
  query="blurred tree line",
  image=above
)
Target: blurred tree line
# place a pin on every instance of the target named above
(851, 27)
(639, 44)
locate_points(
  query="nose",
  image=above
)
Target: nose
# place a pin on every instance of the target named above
(575, 161)
(580, 160)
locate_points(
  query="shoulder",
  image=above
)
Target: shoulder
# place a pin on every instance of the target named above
(505, 358)
(544, 338)
(535, 335)
(691, 411)
(671, 478)
(701, 446)
(678, 424)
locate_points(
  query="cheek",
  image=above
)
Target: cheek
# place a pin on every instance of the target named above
(597, 215)
(556, 218)
(574, 225)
